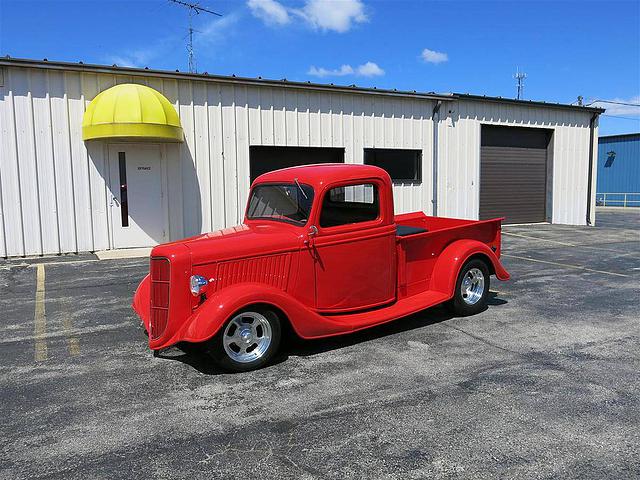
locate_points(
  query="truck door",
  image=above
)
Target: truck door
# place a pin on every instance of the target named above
(355, 251)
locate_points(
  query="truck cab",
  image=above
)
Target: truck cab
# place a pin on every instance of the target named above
(321, 250)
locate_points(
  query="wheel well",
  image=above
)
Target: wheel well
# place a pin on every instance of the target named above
(484, 258)
(284, 319)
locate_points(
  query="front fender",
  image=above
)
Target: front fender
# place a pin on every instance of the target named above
(454, 256)
(141, 301)
(208, 318)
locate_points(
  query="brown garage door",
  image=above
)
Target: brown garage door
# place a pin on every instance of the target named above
(513, 174)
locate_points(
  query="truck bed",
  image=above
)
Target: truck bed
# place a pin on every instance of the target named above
(421, 239)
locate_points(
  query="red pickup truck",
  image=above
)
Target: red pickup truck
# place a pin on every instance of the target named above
(321, 250)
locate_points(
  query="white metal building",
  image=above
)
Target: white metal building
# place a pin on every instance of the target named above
(451, 155)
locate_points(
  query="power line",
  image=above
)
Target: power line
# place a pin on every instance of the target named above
(194, 9)
(615, 103)
(624, 118)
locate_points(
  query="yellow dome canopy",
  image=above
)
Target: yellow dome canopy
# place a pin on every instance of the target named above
(131, 111)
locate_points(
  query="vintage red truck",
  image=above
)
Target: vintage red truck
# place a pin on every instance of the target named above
(321, 250)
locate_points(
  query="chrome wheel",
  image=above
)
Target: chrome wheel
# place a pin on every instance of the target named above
(472, 286)
(247, 337)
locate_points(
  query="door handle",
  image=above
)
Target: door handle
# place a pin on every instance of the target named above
(114, 200)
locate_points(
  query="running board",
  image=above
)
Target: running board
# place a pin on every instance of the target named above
(401, 308)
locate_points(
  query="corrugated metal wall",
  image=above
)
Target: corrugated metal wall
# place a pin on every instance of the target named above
(54, 197)
(623, 176)
(459, 158)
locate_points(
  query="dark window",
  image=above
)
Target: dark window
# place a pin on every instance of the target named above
(124, 201)
(401, 165)
(350, 204)
(611, 156)
(266, 159)
(281, 202)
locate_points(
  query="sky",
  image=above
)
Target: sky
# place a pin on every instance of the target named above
(567, 48)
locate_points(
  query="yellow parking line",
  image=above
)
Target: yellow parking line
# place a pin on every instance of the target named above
(40, 317)
(566, 265)
(73, 343)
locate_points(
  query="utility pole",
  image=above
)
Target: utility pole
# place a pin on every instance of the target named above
(520, 76)
(194, 9)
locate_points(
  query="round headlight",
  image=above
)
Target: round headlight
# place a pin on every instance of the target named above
(197, 283)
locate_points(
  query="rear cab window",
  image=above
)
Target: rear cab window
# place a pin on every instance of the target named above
(350, 204)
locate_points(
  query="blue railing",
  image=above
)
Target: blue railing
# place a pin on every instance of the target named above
(618, 199)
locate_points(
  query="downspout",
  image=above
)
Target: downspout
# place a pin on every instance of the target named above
(592, 129)
(436, 123)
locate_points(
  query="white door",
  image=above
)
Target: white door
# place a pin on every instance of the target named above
(137, 212)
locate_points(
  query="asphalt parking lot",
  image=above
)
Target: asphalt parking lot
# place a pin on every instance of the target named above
(543, 384)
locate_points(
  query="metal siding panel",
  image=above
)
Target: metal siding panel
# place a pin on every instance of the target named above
(202, 153)
(242, 150)
(347, 128)
(97, 159)
(63, 165)
(357, 128)
(27, 161)
(216, 158)
(623, 176)
(336, 120)
(192, 195)
(174, 159)
(253, 103)
(304, 134)
(9, 173)
(315, 120)
(325, 120)
(279, 119)
(80, 162)
(266, 114)
(291, 117)
(229, 154)
(45, 162)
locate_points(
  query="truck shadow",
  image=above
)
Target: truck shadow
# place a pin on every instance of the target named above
(196, 356)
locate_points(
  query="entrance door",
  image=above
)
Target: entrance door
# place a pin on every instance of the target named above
(137, 213)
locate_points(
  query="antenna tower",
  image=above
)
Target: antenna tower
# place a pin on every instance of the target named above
(520, 76)
(194, 9)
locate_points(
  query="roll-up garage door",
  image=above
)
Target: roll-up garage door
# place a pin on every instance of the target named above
(266, 159)
(513, 174)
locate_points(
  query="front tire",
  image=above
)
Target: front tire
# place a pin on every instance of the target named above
(248, 340)
(472, 289)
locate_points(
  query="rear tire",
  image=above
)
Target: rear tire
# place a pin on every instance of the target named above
(247, 341)
(471, 290)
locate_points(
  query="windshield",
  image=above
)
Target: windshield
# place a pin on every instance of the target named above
(287, 202)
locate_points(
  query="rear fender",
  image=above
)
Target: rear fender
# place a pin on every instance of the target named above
(208, 318)
(454, 256)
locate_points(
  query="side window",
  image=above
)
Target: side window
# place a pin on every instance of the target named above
(350, 204)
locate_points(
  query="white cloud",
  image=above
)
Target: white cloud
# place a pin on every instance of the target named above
(133, 58)
(269, 11)
(217, 30)
(431, 56)
(368, 69)
(620, 110)
(336, 15)
(325, 15)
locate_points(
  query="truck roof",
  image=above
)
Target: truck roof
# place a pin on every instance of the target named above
(323, 173)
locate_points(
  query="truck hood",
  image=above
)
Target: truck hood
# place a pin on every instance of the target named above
(235, 242)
